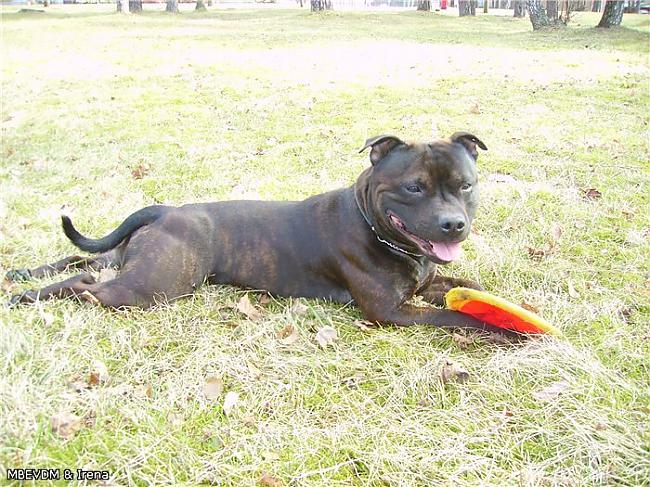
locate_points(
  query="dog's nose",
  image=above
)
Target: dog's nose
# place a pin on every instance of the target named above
(452, 225)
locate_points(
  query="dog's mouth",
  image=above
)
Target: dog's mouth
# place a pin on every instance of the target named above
(443, 252)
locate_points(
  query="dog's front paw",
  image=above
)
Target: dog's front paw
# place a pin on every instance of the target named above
(18, 275)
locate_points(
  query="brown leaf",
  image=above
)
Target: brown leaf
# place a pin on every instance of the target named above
(264, 299)
(66, 424)
(269, 480)
(461, 340)
(213, 388)
(140, 171)
(78, 384)
(98, 373)
(530, 307)
(552, 391)
(299, 309)
(364, 325)
(475, 109)
(143, 390)
(453, 371)
(288, 335)
(536, 254)
(326, 336)
(591, 193)
(246, 307)
(8, 286)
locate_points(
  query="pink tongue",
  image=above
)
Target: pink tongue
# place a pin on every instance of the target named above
(446, 251)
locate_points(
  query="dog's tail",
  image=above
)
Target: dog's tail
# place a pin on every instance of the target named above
(140, 218)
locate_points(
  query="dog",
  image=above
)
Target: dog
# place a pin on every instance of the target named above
(376, 243)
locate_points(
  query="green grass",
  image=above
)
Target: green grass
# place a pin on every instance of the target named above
(274, 104)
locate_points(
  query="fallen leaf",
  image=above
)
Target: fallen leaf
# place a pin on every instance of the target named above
(364, 325)
(140, 171)
(600, 427)
(453, 371)
(536, 254)
(143, 390)
(78, 384)
(288, 335)
(213, 388)
(326, 336)
(591, 193)
(475, 109)
(65, 424)
(8, 286)
(269, 480)
(299, 309)
(264, 299)
(231, 400)
(98, 373)
(498, 339)
(246, 307)
(530, 307)
(552, 391)
(461, 340)
(106, 275)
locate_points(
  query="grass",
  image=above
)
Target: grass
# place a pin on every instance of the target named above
(273, 104)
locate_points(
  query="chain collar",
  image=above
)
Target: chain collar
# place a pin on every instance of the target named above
(372, 227)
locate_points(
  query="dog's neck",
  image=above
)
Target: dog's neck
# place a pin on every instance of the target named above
(360, 191)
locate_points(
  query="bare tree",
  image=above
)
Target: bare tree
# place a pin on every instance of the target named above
(319, 5)
(612, 15)
(463, 8)
(135, 6)
(519, 8)
(424, 5)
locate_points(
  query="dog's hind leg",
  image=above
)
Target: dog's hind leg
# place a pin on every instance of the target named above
(101, 261)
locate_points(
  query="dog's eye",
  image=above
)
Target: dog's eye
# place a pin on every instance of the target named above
(466, 187)
(413, 188)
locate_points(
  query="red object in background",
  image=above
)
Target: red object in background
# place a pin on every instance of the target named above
(443, 4)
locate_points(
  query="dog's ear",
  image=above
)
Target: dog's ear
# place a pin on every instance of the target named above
(469, 141)
(381, 145)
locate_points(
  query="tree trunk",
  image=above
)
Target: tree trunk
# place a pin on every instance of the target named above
(519, 8)
(319, 5)
(46, 3)
(537, 13)
(135, 6)
(551, 11)
(463, 8)
(200, 6)
(472, 7)
(595, 7)
(172, 6)
(612, 15)
(485, 6)
(424, 5)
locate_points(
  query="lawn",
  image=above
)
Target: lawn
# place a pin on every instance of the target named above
(103, 114)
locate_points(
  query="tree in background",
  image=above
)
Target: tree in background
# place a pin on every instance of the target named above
(519, 8)
(172, 6)
(424, 5)
(463, 8)
(612, 15)
(318, 5)
(200, 6)
(135, 6)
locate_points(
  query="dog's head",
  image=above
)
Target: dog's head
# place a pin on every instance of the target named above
(423, 196)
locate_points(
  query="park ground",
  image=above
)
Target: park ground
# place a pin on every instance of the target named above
(103, 114)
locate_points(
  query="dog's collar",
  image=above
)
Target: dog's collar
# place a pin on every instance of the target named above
(372, 227)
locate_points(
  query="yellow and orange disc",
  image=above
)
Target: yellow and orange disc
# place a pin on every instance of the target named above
(497, 311)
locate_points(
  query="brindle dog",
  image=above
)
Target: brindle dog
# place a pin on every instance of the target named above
(376, 243)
